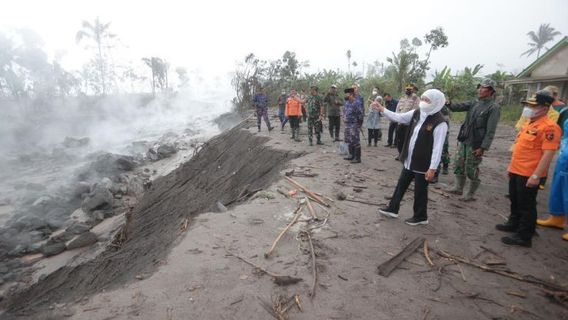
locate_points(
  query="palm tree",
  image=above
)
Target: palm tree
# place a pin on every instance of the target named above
(98, 32)
(400, 68)
(348, 60)
(545, 34)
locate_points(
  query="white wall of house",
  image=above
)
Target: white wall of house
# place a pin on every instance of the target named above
(555, 65)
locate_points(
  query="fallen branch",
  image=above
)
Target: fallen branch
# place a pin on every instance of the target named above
(294, 220)
(281, 280)
(362, 201)
(509, 274)
(386, 268)
(324, 196)
(311, 209)
(314, 269)
(306, 191)
(426, 255)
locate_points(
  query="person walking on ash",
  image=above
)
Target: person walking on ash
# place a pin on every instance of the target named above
(420, 154)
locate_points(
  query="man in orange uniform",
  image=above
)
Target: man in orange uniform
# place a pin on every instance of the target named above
(293, 113)
(535, 146)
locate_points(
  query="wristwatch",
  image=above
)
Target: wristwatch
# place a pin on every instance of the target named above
(535, 177)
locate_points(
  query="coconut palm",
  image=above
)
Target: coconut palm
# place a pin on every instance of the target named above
(545, 34)
(99, 33)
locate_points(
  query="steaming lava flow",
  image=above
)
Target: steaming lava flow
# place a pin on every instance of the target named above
(219, 172)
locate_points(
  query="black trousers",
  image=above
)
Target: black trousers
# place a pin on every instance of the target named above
(392, 130)
(294, 122)
(374, 134)
(523, 206)
(400, 136)
(334, 125)
(420, 193)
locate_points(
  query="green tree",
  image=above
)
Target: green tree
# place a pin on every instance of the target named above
(100, 34)
(544, 34)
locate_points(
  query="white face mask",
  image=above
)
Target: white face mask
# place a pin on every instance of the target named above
(425, 107)
(375, 92)
(528, 112)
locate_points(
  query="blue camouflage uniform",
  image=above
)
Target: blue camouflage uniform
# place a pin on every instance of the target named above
(353, 117)
(260, 102)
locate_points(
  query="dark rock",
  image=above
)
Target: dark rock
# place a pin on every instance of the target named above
(100, 198)
(18, 251)
(76, 143)
(78, 228)
(51, 249)
(83, 240)
(125, 163)
(165, 151)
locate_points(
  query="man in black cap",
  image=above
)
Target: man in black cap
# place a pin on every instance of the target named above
(475, 137)
(353, 117)
(333, 105)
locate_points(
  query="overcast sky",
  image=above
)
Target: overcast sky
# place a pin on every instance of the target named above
(213, 35)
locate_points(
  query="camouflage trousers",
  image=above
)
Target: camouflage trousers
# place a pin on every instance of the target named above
(352, 135)
(314, 124)
(262, 113)
(446, 153)
(466, 163)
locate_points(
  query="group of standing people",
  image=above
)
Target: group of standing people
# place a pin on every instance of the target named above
(419, 129)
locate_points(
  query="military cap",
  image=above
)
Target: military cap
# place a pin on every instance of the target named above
(314, 87)
(540, 98)
(486, 82)
(334, 86)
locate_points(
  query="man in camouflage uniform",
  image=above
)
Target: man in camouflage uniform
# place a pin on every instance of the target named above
(353, 118)
(409, 102)
(475, 137)
(315, 110)
(282, 99)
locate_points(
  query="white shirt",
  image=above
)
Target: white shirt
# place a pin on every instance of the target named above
(439, 136)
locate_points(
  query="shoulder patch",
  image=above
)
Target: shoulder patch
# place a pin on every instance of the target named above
(549, 135)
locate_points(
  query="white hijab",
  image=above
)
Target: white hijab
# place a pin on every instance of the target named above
(437, 102)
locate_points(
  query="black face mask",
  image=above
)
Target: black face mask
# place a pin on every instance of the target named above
(347, 98)
(408, 92)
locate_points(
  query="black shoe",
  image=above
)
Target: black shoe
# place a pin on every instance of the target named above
(397, 158)
(270, 129)
(507, 227)
(351, 154)
(385, 210)
(319, 142)
(258, 129)
(336, 139)
(415, 221)
(388, 145)
(516, 240)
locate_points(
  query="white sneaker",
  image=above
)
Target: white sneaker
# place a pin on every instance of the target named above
(388, 213)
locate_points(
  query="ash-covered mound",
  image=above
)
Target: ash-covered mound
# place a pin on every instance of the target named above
(225, 166)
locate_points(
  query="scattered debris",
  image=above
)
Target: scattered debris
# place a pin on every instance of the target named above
(426, 254)
(386, 268)
(297, 215)
(281, 280)
(306, 191)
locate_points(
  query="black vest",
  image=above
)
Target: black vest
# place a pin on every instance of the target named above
(422, 153)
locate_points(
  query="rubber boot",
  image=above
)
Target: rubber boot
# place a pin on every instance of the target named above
(471, 191)
(553, 222)
(458, 185)
(351, 154)
(297, 138)
(293, 133)
(319, 139)
(357, 158)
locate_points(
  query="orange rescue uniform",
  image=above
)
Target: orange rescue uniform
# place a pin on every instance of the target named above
(293, 108)
(534, 138)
